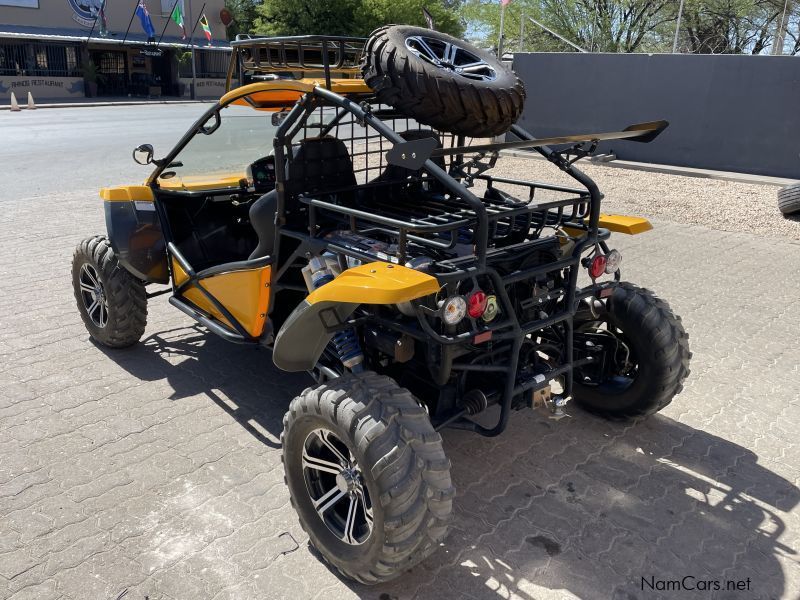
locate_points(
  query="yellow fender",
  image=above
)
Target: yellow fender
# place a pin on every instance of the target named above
(304, 335)
(616, 223)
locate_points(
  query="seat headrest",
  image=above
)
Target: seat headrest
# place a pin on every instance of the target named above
(319, 164)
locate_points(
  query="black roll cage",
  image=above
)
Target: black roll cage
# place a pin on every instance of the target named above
(509, 330)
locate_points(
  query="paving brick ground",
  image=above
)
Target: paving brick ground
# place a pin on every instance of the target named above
(156, 470)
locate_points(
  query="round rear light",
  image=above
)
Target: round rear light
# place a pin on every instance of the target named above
(598, 266)
(613, 260)
(476, 304)
(454, 309)
(492, 309)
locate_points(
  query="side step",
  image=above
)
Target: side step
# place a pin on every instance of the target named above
(210, 324)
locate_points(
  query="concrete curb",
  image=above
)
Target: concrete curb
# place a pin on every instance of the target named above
(674, 170)
(115, 103)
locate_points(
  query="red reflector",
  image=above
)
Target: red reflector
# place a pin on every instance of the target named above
(597, 266)
(482, 337)
(476, 304)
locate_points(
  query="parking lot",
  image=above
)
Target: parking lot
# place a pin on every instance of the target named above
(155, 472)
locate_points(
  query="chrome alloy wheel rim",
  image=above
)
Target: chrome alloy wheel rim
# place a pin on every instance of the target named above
(450, 57)
(94, 295)
(336, 487)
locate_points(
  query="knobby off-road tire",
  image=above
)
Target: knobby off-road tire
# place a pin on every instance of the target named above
(438, 95)
(121, 315)
(659, 346)
(789, 199)
(402, 466)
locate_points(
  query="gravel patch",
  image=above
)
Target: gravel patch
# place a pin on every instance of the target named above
(724, 205)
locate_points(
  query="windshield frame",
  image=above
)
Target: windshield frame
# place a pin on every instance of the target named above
(197, 127)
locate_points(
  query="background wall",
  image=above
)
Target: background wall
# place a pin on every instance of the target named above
(731, 113)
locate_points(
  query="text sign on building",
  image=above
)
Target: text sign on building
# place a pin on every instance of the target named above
(85, 11)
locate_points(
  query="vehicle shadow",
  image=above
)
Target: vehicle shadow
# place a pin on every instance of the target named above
(607, 510)
(580, 506)
(241, 380)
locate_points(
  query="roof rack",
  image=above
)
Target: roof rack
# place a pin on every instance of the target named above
(330, 54)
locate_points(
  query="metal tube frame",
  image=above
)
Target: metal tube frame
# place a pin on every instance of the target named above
(509, 330)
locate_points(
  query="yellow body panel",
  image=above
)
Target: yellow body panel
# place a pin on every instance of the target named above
(625, 224)
(376, 283)
(245, 293)
(127, 193)
(616, 223)
(283, 93)
(202, 182)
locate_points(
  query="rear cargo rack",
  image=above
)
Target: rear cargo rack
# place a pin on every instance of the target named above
(301, 53)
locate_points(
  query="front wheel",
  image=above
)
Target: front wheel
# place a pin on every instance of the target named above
(367, 475)
(645, 354)
(111, 301)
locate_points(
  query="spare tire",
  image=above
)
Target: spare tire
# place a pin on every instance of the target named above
(789, 199)
(442, 81)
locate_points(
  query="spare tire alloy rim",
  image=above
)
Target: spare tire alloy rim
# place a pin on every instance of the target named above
(94, 295)
(450, 57)
(336, 486)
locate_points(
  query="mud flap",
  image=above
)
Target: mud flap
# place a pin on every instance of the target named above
(304, 335)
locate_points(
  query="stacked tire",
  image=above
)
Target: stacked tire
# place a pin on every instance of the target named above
(442, 81)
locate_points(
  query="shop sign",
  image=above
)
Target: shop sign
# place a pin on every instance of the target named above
(85, 11)
(43, 87)
(153, 52)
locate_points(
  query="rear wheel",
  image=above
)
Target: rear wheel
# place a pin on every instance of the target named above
(367, 475)
(111, 301)
(646, 352)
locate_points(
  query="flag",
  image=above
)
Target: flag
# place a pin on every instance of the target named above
(206, 27)
(177, 16)
(99, 14)
(147, 22)
(103, 22)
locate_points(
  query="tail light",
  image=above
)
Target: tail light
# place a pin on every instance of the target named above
(454, 309)
(613, 260)
(476, 304)
(598, 266)
(492, 309)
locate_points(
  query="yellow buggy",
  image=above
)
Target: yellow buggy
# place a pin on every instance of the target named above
(337, 206)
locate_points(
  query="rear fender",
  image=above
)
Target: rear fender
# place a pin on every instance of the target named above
(616, 223)
(307, 331)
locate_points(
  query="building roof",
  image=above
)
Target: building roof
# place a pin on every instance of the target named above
(47, 34)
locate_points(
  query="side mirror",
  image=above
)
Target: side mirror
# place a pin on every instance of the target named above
(143, 154)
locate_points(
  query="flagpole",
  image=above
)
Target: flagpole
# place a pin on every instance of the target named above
(502, 26)
(191, 35)
(91, 31)
(169, 18)
(191, 43)
(133, 14)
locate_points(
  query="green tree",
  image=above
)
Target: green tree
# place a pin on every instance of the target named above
(729, 26)
(598, 25)
(352, 17)
(244, 15)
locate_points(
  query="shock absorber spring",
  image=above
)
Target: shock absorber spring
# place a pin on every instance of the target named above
(346, 340)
